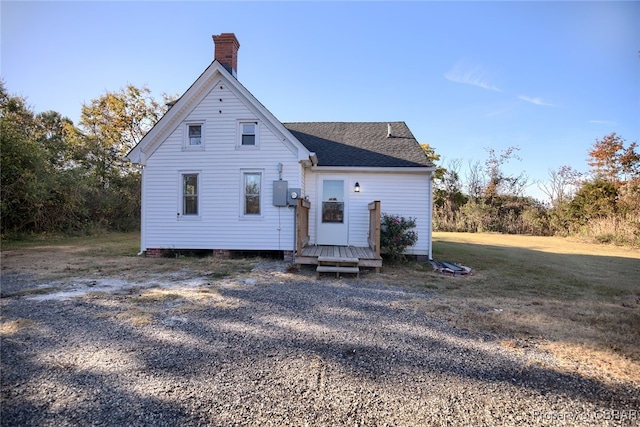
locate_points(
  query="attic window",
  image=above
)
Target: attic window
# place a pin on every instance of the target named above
(248, 134)
(194, 136)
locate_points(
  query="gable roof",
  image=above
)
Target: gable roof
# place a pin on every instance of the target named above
(213, 75)
(361, 144)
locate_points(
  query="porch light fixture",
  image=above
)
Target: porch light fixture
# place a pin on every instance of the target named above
(357, 187)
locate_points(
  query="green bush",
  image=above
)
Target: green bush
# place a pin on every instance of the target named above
(396, 234)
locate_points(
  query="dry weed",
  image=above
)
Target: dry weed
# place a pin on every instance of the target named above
(13, 327)
(603, 365)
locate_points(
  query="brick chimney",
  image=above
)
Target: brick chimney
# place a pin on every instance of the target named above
(226, 51)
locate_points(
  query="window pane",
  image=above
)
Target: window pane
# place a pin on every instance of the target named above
(333, 190)
(252, 205)
(333, 200)
(248, 140)
(190, 194)
(333, 212)
(248, 134)
(252, 183)
(190, 205)
(195, 135)
(252, 193)
(191, 184)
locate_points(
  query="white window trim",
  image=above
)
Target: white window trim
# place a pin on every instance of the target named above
(180, 216)
(251, 217)
(186, 146)
(239, 134)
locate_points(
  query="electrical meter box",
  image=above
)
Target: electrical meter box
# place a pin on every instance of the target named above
(280, 193)
(294, 195)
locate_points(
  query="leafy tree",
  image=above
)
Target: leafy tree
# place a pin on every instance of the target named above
(596, 199)
(611, 161)
(24, 166)
(112, 125)
(629, 197)
(606, 207)
(434, 157)
(449, 198)
(52, 132)
(57, 177)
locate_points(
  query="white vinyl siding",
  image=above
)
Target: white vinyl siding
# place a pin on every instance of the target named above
(405, 194)
(222, 224)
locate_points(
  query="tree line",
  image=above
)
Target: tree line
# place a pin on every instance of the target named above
(602, 204)
(61, 177)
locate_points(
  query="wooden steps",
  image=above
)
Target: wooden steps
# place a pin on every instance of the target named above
(329, 264)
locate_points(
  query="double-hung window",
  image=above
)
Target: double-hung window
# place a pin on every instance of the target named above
(190, 195)
(248, 134)
(251, 194)
(194, 136)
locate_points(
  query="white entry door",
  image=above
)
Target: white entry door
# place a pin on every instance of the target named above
(333, 224)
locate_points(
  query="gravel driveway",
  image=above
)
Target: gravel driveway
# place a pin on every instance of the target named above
(276, 349)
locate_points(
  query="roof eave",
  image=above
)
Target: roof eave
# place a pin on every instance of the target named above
(377, 169)
(175, 114)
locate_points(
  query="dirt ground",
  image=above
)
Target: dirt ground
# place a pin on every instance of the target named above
(89, 339)
(106, 265)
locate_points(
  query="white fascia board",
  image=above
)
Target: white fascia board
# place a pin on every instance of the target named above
(176, 114)
(167, 123)
(425, 169)
(270, 120)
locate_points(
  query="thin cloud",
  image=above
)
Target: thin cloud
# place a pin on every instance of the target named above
(470, 74)
(495, 113)
(536, 101)
(603, 122)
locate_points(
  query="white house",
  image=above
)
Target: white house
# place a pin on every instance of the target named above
(220, 172)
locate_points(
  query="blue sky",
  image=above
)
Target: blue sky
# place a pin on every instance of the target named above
(548, 77)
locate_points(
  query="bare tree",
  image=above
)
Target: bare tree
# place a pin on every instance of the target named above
(562, 185)
(475, 181)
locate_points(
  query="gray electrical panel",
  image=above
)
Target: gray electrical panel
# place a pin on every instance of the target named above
(280, 193)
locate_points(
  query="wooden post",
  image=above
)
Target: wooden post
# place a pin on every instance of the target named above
(374, 229)
(302, 225)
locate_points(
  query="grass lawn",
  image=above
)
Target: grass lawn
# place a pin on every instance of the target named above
(578, 301)
(581, 301)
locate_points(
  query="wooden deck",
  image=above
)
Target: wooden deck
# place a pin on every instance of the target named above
(366, 256)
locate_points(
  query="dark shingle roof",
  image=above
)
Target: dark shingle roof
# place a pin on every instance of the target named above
(360, 144)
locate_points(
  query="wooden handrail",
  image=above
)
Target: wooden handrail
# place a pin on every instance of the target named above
(302, 225)
(374, 227)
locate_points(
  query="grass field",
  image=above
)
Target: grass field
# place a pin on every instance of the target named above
(578, 301)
